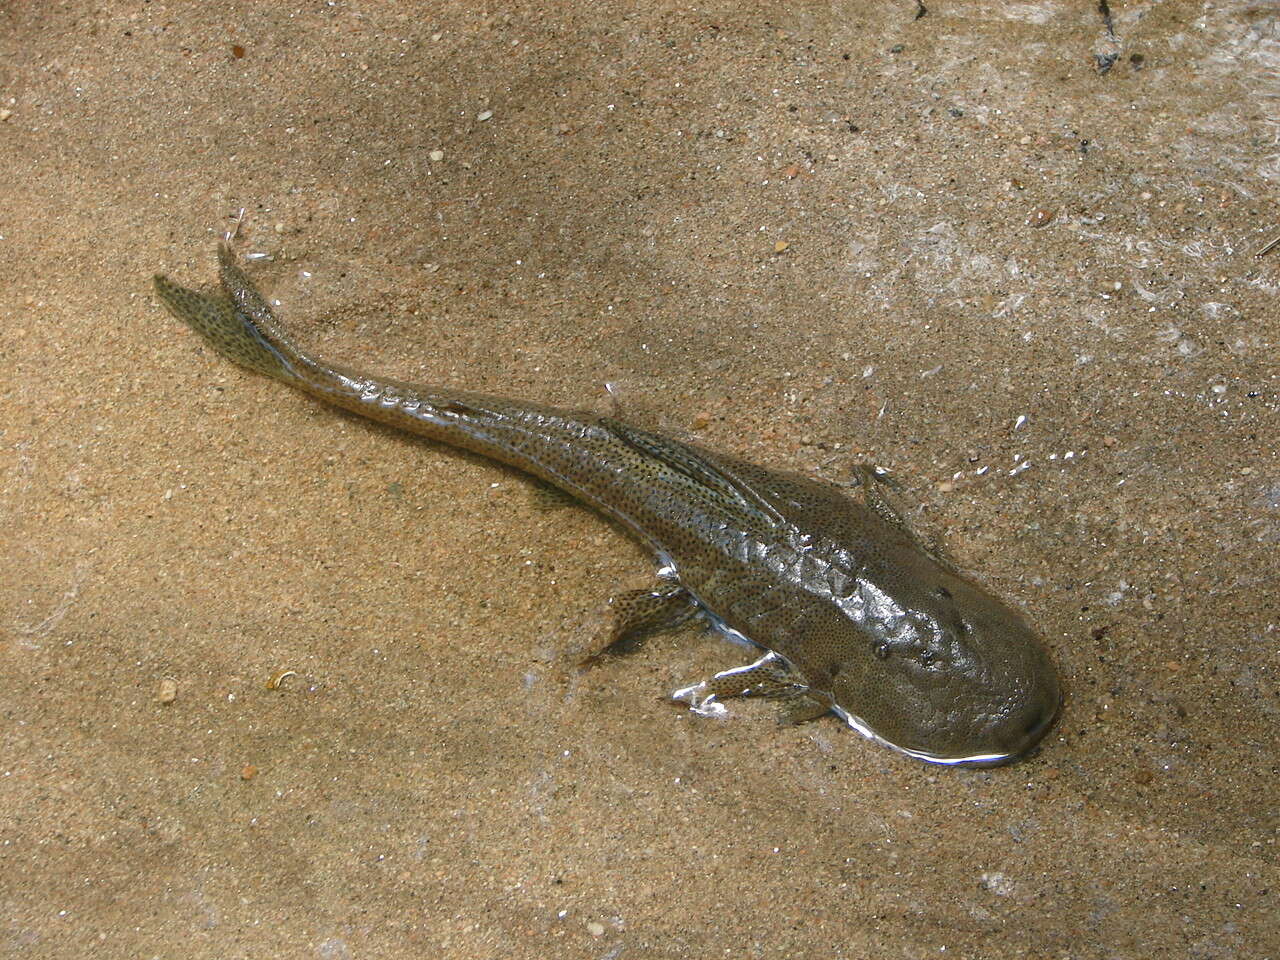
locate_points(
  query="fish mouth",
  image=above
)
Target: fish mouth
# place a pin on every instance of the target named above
(1033, 731)
(974, 760)
(1035, 725)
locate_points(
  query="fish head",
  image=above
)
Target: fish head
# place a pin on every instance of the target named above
(951, 674)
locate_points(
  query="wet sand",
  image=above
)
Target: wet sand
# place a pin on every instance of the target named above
(812, 235)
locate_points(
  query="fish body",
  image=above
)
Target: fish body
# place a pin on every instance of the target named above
(855, 615)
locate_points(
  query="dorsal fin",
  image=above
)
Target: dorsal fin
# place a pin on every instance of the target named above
(686, 460)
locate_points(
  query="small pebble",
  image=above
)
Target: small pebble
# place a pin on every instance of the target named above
(1040, 217)
(436, 156)
(780, 246)
(997, 883)
(248, 771)
(168, 691)
(5, 114)
(278, 227)
(484, 115)
(595, 929)
(701, 420)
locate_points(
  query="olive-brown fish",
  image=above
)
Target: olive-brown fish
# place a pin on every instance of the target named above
(854, 614)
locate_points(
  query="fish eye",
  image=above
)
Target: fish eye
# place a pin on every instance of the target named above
(882, 651)
(926, 658)
(966, 627)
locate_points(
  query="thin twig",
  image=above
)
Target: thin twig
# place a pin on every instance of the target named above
(1275, 242)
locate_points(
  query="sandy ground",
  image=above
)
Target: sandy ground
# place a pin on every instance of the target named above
(810, 234)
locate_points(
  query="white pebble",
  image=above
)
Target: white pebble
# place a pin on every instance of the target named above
(997, 883)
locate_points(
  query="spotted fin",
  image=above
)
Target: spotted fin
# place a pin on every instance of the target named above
(237, 322)
(685, 460)
(770, 677)
(637, 614)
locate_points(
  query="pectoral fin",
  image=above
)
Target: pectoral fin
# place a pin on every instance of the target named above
(882, 494)
(771, 677)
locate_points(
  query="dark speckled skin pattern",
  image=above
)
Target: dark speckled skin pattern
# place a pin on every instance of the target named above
(871, 625)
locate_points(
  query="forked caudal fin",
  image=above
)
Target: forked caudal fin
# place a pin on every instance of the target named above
(237, 323)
